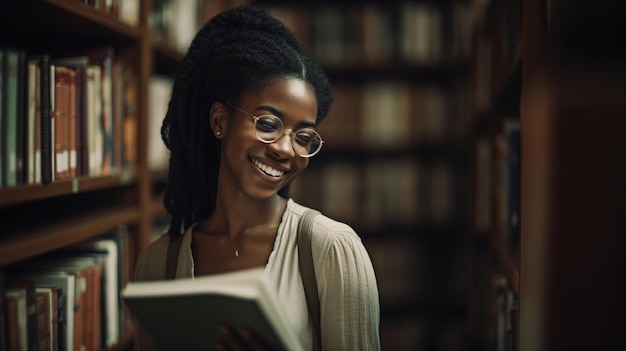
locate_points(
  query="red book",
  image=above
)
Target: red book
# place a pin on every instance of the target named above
(60, 117)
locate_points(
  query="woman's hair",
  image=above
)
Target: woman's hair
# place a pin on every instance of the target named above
(240, 50)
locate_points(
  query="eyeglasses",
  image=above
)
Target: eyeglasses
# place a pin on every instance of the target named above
(269, 128)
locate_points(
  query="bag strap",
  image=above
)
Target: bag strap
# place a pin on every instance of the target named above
(171, 262)
(305, 258)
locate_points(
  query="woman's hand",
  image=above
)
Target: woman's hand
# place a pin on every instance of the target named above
(240, 340)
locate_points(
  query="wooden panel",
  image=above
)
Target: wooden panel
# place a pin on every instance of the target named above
(573, 206)
(20, 246)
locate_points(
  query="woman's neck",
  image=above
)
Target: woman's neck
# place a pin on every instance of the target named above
(238, 217)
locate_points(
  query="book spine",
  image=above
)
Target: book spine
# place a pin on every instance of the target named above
(45, 121)
(2, 120)
(13, 339)
(72, 131)
(514, 173)
(10, 116)
(43, 320)
(62, 339)
(61, 119)
(30, 314)
(117, 115)
(54, 316)
(33, 319)
(3, 315)
(107, 114)
(82, 161)
(22, 137)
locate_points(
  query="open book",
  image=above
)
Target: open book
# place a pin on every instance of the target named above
(185, 314)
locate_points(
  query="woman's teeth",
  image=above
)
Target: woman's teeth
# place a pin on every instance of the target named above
(268, 169)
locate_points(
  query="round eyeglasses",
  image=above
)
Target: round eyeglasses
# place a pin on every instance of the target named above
(306, 142)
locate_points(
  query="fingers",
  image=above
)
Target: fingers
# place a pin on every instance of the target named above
(254, 343)
(241, 340)
(232, 341)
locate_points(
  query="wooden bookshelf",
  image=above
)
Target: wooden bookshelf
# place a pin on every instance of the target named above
(566, 98)
(573, 200)
(35, 240)
(40, 219)
(495, 86)
(34, 192)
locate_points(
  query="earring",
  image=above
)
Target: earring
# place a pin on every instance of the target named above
(218, 133)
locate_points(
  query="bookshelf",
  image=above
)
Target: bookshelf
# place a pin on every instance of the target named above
(121, 199)
(533, 288)
(573, 108)
(494, 173)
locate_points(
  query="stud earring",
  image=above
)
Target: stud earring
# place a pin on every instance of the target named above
(218, 133)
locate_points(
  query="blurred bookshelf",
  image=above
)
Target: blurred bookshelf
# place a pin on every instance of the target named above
(74, 180)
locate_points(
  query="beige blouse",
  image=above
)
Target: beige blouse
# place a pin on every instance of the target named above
(349, 303)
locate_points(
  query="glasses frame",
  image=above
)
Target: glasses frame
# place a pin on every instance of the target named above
(292, 136)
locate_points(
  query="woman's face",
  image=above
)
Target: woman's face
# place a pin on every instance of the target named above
(257, 169)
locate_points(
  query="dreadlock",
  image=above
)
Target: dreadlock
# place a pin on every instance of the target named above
(236, 51)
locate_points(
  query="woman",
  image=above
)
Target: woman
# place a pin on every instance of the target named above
(240, 127)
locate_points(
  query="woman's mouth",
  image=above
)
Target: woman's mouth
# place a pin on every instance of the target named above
(267, 169)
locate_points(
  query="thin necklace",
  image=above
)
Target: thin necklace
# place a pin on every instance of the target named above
(233, 245)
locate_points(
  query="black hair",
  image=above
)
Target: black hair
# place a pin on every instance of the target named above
(236, 51)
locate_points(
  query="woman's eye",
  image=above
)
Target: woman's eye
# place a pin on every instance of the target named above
(267, 124)
(304, 137)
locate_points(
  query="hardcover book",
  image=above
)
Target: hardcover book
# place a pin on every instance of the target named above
(66, 288)
(43, 125)
(9, 89)
(31, 326)
(185, 314)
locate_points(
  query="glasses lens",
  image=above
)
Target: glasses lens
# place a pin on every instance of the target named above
(307, 142)
(268, 128)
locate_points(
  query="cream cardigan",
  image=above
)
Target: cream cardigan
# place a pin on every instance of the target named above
(349, 304)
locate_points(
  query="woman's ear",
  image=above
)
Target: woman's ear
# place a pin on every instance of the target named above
(219, 119)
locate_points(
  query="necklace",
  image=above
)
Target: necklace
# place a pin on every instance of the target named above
(232, 243)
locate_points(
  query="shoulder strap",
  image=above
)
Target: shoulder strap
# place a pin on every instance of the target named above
(305, 258)
(171, 262)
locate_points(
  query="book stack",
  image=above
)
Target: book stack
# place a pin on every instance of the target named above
(64, 115)
(68, 299)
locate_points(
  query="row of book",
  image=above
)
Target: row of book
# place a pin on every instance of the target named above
(409, 31)
(65, 114)
(400, 191)
(68, 299)
(176, 22)
(496, 49)
(388, 114)
(507, 162)
(126, 11)
(497, 183)
(410, 271)
(506, 315)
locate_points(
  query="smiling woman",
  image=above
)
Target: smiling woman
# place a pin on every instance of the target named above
(241, 126)
(242, 146)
